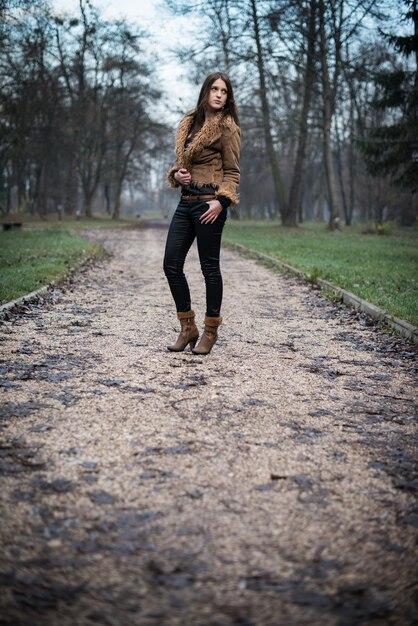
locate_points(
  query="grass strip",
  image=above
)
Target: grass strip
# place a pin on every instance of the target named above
(380, 269)
(34, 258)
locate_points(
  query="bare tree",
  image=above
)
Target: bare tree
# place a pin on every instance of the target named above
(265, 109)
(295, 195)
(75, 96)
(327, 114)
(130, 127)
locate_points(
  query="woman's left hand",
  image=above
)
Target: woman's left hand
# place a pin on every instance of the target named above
(212, 213)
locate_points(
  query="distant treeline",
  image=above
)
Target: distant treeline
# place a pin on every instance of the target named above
(328, 101)
(76, 101)
(327, 92)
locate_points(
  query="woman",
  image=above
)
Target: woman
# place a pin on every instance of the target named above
(207, 170)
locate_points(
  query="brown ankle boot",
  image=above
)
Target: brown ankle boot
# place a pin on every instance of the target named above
(209, 336)
(188, 334)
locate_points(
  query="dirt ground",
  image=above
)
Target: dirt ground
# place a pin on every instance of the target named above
(271, 483)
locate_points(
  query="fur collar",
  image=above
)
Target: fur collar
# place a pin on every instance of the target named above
(207, 135)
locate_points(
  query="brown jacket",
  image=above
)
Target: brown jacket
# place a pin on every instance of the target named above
(212, 157)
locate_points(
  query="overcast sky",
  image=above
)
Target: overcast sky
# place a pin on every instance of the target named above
(144, 12)
(165, 31)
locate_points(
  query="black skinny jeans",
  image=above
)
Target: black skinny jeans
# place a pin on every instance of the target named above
(184, 228)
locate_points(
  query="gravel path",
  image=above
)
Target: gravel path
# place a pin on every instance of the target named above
(271, 483)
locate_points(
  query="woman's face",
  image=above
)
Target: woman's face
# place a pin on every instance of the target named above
(218, 95)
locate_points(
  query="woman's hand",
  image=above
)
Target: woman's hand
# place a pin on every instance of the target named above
(183, 177)
(211, 215)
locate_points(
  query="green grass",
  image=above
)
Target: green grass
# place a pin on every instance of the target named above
(379, 268)
(30, 259)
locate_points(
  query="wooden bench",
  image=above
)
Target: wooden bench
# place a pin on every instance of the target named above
(12, 225)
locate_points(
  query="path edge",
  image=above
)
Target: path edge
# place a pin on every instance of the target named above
(407, 330)
(42, 292)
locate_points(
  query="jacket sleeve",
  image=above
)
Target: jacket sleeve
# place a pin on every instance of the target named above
(181, 135)
(175, 167)
(172, 182)
(231, 143)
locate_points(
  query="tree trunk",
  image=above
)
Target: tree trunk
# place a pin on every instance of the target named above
(414, 112)
(107, 197)
(116, 209)
(9, 191)
(274, 163)
(340, 172)
(333, 203)
(294, 201)
(70, 200)
(88, 208)
(116, 206)
(117, 185)
(351, 167)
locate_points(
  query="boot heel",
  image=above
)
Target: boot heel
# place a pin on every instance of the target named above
(209, 336)
(188, 330)
(193, 343)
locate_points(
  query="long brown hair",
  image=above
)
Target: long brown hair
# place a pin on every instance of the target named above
(230, 107)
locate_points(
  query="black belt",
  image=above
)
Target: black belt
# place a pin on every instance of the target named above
(201, 197)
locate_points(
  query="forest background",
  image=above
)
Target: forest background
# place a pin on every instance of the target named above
(327, 94)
